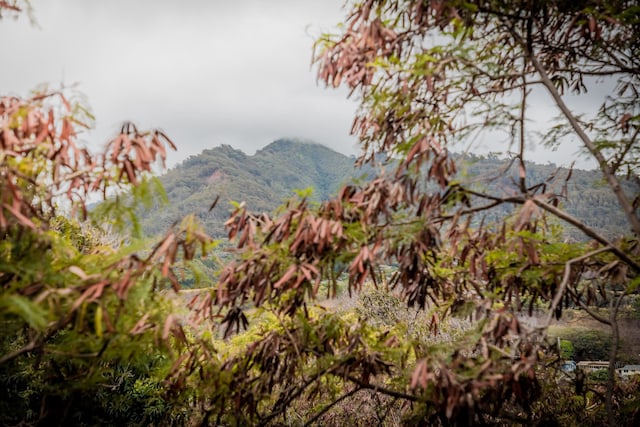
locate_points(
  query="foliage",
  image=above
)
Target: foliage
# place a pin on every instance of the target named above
(584, 343)
(567, 350)
(86, 336)
(427, 74)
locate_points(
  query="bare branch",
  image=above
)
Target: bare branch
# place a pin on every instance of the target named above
(588, 231)
(608, 173)
(31, 345)
(565, 281)
(383, 390)
(587, 309)
(522, 172)
(331, 405)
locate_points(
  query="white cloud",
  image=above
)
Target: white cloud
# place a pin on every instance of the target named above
(207, 72)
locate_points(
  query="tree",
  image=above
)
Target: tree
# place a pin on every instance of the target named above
(86, 337)
(430, 74)
(85, 333)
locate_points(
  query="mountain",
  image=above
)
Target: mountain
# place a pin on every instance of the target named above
(270, 176)
(263, 180)
(585, 194)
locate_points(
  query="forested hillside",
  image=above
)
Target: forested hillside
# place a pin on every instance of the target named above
(263, 181)
(267, 178)
(584, 194)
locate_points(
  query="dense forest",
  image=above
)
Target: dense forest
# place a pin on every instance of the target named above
(263, 181)
(266, 179)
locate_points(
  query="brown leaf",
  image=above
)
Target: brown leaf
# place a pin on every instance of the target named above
(624, 122)
(6, 5)
(286, 277)
(419, 376)
(141, 325)
(168, 324)
(215, 202)
(524, 217)
(78, 272)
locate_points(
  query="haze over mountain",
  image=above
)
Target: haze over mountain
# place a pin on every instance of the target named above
(270, 176)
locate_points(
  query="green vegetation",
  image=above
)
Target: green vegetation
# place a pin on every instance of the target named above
(262, 181)
(583, 343)
(567, 349)
(442, 268)
(87, 336)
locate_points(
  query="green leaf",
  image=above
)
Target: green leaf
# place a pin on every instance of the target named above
(98, 321)
(29, 311)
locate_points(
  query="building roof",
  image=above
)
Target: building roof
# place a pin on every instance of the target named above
(631, 367)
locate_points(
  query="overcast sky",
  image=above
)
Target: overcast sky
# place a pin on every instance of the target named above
(206, 72)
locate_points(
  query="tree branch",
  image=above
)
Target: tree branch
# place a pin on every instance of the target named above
(628, 147)
(383, 390)
(609, 175)
(522, 172)
(588, 231)
(331, 405)
(468, 211)
(565, 281)
(558, 213)
(32, 345)
(586, 308)
(37, 341)
(613, 355)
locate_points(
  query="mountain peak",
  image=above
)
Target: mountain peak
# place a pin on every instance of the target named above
(293, 143)
(263, 180)
(270, 176)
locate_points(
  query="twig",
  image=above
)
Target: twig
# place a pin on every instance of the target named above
(383, 390)
(37, 341)
(522, 173)
(627, 148)
(331, 405)
(588, 310)
(588, 231)
(293, 341)
(282, 404)
(32, 345)
(609, 175)
(565, 281)
(613, 354)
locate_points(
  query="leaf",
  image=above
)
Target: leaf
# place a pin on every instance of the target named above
(168, 324)
(78, 272)
(215, 202)
(30, 312)
(525, 215)
(419, 376)
(624, 122)
(141, 325)
(285, 277)
(6, 5)
(98, 321)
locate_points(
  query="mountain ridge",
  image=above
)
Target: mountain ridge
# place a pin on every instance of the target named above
(262, 180)
(267, 178)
